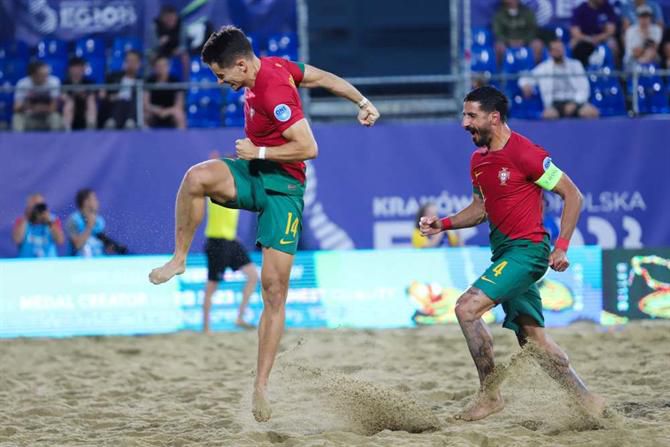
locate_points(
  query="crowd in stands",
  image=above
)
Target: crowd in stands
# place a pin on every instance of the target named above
(92, 83)
(567, 72)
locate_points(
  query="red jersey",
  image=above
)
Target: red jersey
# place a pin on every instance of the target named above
(273, 105)
(505, 179)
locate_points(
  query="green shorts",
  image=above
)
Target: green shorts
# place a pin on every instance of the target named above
(279, 215)
(511, 278)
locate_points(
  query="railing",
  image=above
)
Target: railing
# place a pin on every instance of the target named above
(396, 96)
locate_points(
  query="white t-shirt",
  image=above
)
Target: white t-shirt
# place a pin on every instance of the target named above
(635, 38)
(26, 87)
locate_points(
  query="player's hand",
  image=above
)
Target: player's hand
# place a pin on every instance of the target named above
(368, 115)
(430, 225)
(245, 149)
(558, 260)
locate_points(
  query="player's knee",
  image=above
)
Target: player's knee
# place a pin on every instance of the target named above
(274, 293)
(195, 179)
(464, 310)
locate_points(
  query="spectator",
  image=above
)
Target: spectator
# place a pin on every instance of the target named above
(37, 233)
(563, 85)
(36, 100)
(120, 108)
(642, 39)
(514, 25)
(629, 13)
(79, 107)
(593, 23)
(169, 37)
(665, 49)
(85, 225)
(419, 241)
(164, 108)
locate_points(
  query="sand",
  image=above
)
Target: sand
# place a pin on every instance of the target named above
(337, 387)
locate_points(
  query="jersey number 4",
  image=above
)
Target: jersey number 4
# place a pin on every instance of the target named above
(497, 270)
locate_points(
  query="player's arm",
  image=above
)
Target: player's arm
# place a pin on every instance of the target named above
(572, 208)
(470, 216)
(300, 146)
(315, 77)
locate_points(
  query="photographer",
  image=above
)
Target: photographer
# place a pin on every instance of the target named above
(85, 229)
(37, 233)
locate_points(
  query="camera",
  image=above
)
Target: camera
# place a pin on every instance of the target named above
(36, 212)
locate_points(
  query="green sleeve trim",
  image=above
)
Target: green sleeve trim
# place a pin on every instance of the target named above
(476, 190)
(550, 178)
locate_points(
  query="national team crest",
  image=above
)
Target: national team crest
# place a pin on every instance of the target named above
(503, 175)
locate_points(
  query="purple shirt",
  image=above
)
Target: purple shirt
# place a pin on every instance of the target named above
(592, 21)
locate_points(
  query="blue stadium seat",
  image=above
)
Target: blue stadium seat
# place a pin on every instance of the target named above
(95, 69)
(257, 43)
(14, 49)
(601, 57)
(120, 46)
(652, 95)
(90, 47)
(234, 114)
(482, 37)
(607, 95)
(177, 68)
(483, 60)
(15, 69)
(58, 67)
(525, 108)
(6, 100)
(517, 60)
(52, 49)
(283, 45)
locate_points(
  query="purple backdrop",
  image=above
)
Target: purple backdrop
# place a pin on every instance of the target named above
(364, 188)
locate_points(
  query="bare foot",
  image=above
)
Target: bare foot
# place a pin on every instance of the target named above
(165, 273)
(244, 325)
(595, 405)
(483, 406)
(260, 406)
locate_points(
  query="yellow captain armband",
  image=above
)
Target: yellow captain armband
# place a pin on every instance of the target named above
(551, 175)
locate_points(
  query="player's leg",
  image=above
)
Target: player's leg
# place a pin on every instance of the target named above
(469, 310)
(251, 273)
(211, 178)
(554, 361)
(274, 282)
(210, 290)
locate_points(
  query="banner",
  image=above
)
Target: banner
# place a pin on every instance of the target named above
(364, 189)
(32, 20)
(356, 289)
(636, 284)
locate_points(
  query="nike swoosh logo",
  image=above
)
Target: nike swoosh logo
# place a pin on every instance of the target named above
(283, 242)
(488, 280)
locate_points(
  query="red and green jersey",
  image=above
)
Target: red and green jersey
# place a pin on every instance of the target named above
(507, 180)
(272, 106)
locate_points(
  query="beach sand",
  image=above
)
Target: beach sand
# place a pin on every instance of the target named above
(329, 387)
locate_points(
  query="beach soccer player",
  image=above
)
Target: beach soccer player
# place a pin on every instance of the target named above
(268, 176)
(509, 173)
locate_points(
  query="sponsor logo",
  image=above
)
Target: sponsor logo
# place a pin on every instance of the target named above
(282, 113)
(503, 176)
(546, 163)
(284, 242)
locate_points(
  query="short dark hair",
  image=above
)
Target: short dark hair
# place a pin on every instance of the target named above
(76, 61)
(34, 66)
(135, 52)
(226, 45)
(81, 196)
(490, 99)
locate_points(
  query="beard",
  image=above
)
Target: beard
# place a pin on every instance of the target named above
(481, 137)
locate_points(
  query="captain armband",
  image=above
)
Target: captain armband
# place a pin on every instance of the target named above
(551, 175)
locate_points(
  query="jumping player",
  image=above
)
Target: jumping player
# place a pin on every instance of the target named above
(508, 174)
(267, 177)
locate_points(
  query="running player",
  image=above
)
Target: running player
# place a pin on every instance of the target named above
(267, 177)
(508, 174)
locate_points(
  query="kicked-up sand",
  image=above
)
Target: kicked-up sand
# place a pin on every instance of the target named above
(329, 387)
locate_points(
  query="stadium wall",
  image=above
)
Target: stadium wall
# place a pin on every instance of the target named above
(364, 188)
